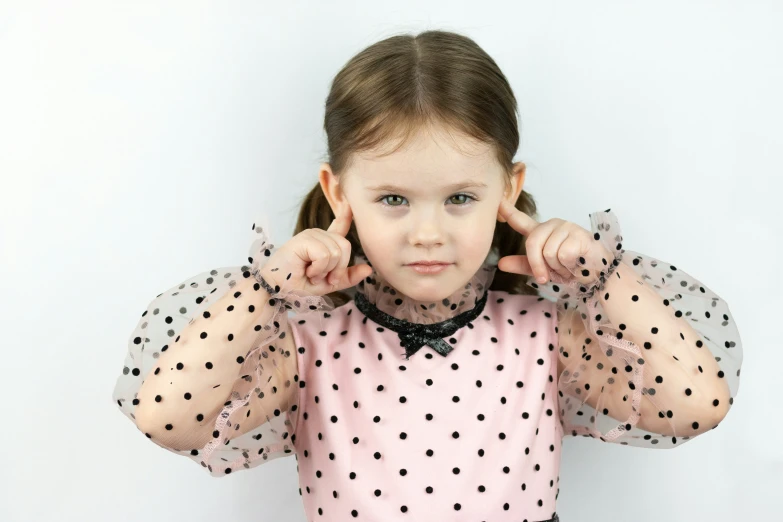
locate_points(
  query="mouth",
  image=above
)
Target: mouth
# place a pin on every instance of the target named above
(429, 268)
(433, 262)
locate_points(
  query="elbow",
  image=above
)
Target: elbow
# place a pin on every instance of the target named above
(158, 430)
(712, 418)
(174, 433)
(713, 406)
(146, 422)
(721, 405)
(720, 414)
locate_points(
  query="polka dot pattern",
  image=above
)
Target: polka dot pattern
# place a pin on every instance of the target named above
(473, 435)
(648, 356)
(237, 362)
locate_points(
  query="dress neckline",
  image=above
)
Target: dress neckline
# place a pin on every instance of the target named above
(413, 335)
(420, 323)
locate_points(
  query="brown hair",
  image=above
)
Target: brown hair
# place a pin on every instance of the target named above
(395, 87)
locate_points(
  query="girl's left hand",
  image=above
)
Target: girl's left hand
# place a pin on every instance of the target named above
(554, 248)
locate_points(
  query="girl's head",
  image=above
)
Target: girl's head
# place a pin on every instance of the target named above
(422, 116)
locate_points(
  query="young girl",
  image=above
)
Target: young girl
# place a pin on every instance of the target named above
(408, 391)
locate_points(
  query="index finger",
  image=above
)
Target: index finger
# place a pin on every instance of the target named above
(517, 219)
(341, 224)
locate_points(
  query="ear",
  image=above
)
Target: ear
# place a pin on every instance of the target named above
(330, 184)
(517, 181)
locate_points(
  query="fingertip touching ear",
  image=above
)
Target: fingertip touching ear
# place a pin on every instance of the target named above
(514, 186)
(330, 184)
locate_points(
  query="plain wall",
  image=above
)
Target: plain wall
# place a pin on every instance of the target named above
(140, 140)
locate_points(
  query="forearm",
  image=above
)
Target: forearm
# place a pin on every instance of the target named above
(667, 343)
(195, 372)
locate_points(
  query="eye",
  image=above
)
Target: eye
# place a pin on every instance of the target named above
(389, 196)
(470, 198)
(467, 202)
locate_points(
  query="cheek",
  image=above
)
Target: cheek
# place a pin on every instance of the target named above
(475, 242)
(376, 247)
(479, 232)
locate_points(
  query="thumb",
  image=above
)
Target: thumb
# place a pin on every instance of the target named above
(515, 264)
(356, 273)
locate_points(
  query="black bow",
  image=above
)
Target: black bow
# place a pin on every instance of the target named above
(413, 335)
(415, 338)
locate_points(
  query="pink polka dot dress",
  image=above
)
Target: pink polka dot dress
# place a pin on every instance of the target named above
(455, 410)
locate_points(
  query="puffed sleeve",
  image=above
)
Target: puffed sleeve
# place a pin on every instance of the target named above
(234, 405)
(648, 355)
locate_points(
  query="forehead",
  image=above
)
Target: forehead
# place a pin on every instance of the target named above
(431, 158)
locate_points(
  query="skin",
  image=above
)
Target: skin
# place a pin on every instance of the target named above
(424, 219)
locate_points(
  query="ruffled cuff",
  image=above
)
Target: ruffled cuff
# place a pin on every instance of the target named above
(264, 369)
(654, 366)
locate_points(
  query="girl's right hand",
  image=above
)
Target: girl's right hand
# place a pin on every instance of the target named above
(315, 261)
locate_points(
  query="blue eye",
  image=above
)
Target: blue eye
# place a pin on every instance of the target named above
(467, 202)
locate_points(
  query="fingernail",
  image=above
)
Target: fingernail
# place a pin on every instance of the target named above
(542, 279)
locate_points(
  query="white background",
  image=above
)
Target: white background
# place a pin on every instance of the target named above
(140, 140)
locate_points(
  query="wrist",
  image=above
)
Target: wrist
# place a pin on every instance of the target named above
(268, 280)
(599, 284)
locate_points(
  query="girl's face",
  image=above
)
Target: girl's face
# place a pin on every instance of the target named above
(427, 201)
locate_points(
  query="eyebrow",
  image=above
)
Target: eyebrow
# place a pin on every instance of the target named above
(454, 186)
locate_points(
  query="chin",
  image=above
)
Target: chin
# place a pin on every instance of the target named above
(432, 290)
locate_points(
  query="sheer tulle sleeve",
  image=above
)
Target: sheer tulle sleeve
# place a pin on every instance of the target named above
(234, 404)
(648, 355)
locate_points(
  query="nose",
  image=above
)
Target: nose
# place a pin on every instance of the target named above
(426, 230)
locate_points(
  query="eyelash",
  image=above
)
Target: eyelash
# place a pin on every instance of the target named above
(467, 204)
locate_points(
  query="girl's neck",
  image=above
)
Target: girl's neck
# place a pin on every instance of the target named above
(387, 299)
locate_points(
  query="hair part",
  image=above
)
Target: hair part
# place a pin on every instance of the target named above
(404, 84)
